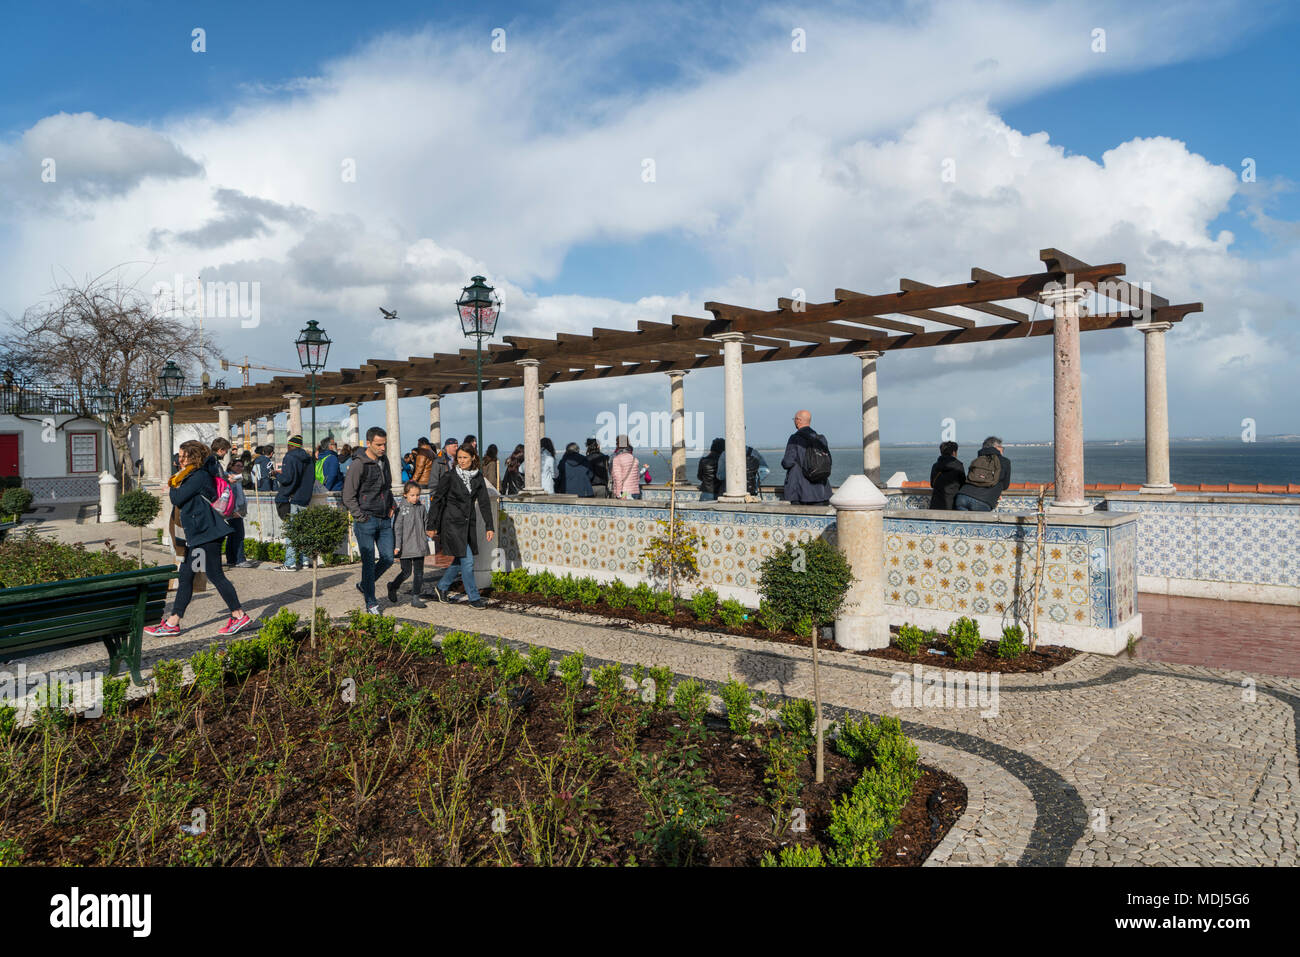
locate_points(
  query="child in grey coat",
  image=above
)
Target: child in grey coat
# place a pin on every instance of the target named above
(410, 543)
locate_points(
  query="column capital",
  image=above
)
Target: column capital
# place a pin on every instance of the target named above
(353, 406)
(291, 396)
(223, 408)
(1061, 294)
(1153, 326)
(435, 396)
(677, 373)
(729, 337)
(387, 380)
(871, 354)
(528, 362)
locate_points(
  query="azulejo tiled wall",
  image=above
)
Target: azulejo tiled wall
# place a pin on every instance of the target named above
(607, 540)
(1255, 543)
(73, 489)
(957, 567)
(977, 568)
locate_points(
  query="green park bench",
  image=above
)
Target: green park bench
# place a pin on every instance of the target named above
(113, 608)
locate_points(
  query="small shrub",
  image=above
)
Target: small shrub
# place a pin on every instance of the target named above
(806, 579)
(570, 672)
(458, 646)
(704, 605)
(8, 719)
(588, 591)
(608, 680)
(691, 701)
(803, 627)
(510, 662)
(417, 640)
(568, 588)
(799, 718)
(539, 662)
(279, 629)
(643, 598)
(501, 581)
(732, 613)
(796, 856)
(909, 639)
(274, 551)
(15, 501)
(769, 618)
(114, 698)
(544, 584)
(29, 559)
(964, 638)
(736, 696)
(666, 604)
(617, 595)
(209, 674)
(1012, 642)
(246, 655)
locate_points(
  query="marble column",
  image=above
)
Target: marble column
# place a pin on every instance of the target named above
(860, 527)
(295, 414)
(149, 450)
(1157, 395)
(677, 403)
(223, 422)
(267, 423)
(1067, 401)
(541, 422)
(734, 405)
(435, 420)
(394, 431)
(354, 424)
(165, 449)
(870, 416)
(250, 435)
(532, 428)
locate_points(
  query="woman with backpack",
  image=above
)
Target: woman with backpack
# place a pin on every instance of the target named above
(239, 509)
(193, 492)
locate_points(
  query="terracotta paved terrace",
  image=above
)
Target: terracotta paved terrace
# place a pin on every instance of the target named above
(1236, 635)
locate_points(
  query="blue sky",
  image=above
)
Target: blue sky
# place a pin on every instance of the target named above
(776, 171)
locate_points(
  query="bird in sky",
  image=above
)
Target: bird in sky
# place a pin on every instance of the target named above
(388, 313)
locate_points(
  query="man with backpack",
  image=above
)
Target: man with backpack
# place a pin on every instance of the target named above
(987, 478)
(807, 462)
(297, 479)
(328, 472)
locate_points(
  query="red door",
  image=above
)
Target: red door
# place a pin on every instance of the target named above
(8, 455)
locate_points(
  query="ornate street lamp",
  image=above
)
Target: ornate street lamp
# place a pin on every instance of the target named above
(313, 350)
(171, 381)
(479, 308)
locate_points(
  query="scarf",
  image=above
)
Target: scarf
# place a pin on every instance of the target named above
(176, 480)
(466, 476)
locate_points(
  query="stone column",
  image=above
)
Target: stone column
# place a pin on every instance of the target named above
(677, 402)
(860, 528)
(223, 422)
(295, 414)
(354, 424)
(870, 416)
(149, 450)
(165, 449)
(734, 404)
(1067, 401)
(267, 424)
(541, 422)
(435, 420)
(1157, 408)
(250, 434)
(532, 428)
(394, 431)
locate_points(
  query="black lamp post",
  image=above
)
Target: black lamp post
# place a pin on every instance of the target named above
(313, 350)
(479, 308)
(170, 383)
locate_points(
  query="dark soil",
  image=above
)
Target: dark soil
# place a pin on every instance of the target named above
(986, 659)
(287, 773)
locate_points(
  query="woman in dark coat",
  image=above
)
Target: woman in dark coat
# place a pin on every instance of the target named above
(193, 490)
(946, 476)
(452, 522)
(707, 472)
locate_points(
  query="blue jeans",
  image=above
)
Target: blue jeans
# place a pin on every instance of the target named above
(374, 533)
(290, 556)
(964, 503)
(464, 567)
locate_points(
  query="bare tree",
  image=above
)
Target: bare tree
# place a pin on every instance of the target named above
(103, 334)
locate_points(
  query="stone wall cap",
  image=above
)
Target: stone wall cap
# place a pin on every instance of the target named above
(858, 493)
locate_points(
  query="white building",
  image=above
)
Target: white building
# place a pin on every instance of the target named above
(48, 449)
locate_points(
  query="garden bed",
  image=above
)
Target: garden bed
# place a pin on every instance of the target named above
(379, 748)
(1043, 658)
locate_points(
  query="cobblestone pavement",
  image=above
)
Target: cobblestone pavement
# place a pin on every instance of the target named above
(1101, 761)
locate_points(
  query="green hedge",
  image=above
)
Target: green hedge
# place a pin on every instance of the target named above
(30, 560)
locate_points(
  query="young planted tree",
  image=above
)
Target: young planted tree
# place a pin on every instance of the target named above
(138, 508)
(316, 530)
(15, 501)
(104, 341)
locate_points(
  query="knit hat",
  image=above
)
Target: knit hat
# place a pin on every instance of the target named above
(295, 441)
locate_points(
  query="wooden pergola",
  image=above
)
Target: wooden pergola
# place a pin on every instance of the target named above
(853, 322)
(988, 308)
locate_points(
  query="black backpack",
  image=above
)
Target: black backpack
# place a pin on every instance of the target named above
(816, 463)
(985, 471)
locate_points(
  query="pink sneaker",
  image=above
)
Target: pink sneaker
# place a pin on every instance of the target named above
(162, 628)
(233, 625)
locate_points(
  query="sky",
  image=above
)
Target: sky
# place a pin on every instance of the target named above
(341, 157)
